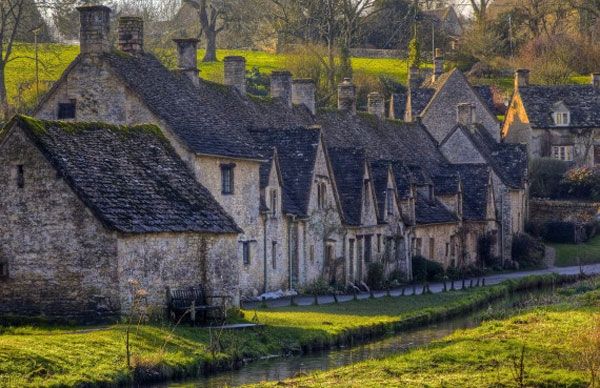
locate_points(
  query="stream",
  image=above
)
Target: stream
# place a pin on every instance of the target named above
(279, 368)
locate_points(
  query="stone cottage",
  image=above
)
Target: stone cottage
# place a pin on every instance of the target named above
(555, 121)
(88, 207)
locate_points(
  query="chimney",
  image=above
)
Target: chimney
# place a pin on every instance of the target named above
(438, 64)
(347, 96)
(521, 78)
(235, 73)
(303, 93)
(94, 30)
(281, 86)
(131, 35)
(376, 105)
(414, 78)
(465, 114)
(187, 50)
(596, 80)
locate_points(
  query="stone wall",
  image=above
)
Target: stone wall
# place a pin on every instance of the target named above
(441, 236)
(542, 211)
(62, 261)
(180, 260)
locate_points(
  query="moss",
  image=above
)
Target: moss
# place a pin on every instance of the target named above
(371, 118)
(261, 99)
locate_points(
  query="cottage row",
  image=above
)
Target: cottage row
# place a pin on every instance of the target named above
(130, 171)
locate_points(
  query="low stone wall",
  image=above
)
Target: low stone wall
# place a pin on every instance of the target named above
(377, 53)
(542, 211)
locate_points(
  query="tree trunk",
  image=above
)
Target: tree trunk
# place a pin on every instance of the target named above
(3, 96)
(211, 46)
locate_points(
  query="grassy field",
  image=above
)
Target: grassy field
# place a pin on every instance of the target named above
(559, 344)
(588, 253)
(35, 356)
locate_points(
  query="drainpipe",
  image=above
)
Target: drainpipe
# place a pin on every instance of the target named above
(265, 252)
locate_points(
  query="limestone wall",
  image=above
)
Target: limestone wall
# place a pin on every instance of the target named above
(441, 237)
(542, 211)
(62, 261)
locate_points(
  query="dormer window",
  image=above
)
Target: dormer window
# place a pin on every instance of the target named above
(321, 195)
(274, 203)
(561, 115)
(67, 110)
(227, 179)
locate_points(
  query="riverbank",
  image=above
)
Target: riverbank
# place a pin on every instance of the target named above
(31, 356)
(555, 345)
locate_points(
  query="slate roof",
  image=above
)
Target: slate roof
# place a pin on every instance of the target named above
(446, 184)
(211, 119)
(297, 153)
(348, 168)
(432, 212)
(381, 139)
(486, 93)
(379, 172)
(475, 180)
(583, 102)
(509, 161)
(130, 177)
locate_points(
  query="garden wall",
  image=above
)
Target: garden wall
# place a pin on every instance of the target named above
(543, 211)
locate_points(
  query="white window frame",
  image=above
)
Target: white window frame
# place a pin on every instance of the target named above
(562, 119)
(563, 152)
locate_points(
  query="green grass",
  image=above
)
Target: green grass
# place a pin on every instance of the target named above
(567, 254)
(63, 356)
(555, 340)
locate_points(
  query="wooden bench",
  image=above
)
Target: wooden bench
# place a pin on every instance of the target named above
(192, 302)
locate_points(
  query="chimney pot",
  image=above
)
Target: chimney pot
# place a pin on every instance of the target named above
(347, 96)
(376, 104)
(94, 29)
(521, 78)
(596, 80)
(303, 93)
(235, 72)
(131, 35)
(187, 51)
(465, 114)
(281, 86)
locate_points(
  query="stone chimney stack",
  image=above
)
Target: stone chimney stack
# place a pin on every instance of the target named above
(376, 105)
(303, 93)
(465, 114)
(414, 78)
(235, 73)
(281, 86)
(596, 80)
(131, 35)
(347, 96)
(94, 30)
(187, 51)
(438, 64)
(521, 78)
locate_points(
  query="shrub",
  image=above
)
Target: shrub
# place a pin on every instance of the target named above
(545, 176)
(427, 270)
(484, 250)
(317, 287)
(581, 183)
(454, 273)
(375, 276)
(528, 252)
(560, 232)
(396, 277)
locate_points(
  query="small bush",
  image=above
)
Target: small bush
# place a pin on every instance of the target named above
(317, 287)
(581, 183)
(560, 232)
(396, 277)
(454, 273)
(545, 176)
(528, 252)
(427, 270)
(375, 276)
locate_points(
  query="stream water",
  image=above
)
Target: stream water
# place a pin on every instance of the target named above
(279, 368)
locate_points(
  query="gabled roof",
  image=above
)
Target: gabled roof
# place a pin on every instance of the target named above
(509, 161)
(297, 153)
(130, 177)
(583, 102)
(432, 212)
(446, 184)
(379, 171)
(348, 168)
(475, 179)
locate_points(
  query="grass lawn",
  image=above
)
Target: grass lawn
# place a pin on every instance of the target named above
(35, 356)
(556, 340)
(567, 254)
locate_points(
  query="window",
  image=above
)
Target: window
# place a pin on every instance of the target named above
(274, 203)
(3, 270)
(431, 248)
(378, 243)
(227, 178)
(418, 246)
(67, 110)
(366, 192)
(447, 249)
(20, 176)
(563, 153)
(390, 202)
(453, 246)
(321, 195)
(274, 254)
(246, 252)
(351, 256)
(562, 118)
(311, 252)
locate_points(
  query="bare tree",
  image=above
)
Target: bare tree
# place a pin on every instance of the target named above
(480, 9)
(212, 16)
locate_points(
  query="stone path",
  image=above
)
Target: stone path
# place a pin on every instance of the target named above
(593, 269)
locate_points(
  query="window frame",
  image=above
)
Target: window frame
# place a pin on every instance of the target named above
(20, 176)
(67, 110)
(228, 185)
(274, 202)
(246, 253)
(563, 152)
(274, 254)
(562, 119)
